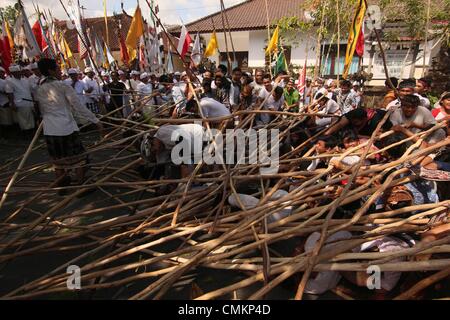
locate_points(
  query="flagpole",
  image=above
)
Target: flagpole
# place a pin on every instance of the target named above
(338, 43)
(268, 38)
(106, 23)
(229, 30)
(426, 37)
(226, 41)
(383, 56)
(188, 70)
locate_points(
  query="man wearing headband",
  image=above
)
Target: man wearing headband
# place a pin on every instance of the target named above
(20, 99)
(407, 87)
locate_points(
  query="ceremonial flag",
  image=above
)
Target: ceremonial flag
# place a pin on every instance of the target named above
(5, 48)
(135, 32)
(273, 44)
(302, 79)
(355, 30)
(37, 31)
(212, 46)
(196, 55)
(23, 36)
(184, 41)
(281, 63)
(69, 53)
(360, 44)
(169, 68)
(106, 21)
(75, 16)
(123, 51)
(7, 28)
(109, 56)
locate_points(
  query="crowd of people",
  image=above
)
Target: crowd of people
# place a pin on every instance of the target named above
(333, 113)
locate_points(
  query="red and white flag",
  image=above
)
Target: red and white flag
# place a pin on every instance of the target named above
(184, 41)
(5, 48)
(23, 36)
(360, 43)
(302, 79)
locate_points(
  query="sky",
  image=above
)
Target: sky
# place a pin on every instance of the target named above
(170, 11)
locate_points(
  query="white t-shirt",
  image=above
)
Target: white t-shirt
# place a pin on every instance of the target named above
(144, 89)
(422, 116)
(387, 244)
(22, 91)
(331, 108)
(79, 88)
(95, 94)
(270, 104)
(168, 134)
(212, 108)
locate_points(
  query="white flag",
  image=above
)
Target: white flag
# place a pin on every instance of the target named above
(197, 51)
(169, 68)
(23, 36)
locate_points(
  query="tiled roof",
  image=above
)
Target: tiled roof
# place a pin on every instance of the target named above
(249, 15)
(98, 24)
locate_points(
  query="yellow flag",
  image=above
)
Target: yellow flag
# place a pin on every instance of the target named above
(136, 30)
(212, 46)
(273, 44)
(355, 29)
(8, 33)
(67, 49)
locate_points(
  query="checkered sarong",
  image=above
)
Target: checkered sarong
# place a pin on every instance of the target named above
(94, 107)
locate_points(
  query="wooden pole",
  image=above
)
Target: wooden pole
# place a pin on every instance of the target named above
(427, 25)
(22, 162)
(338, 42)
(268, 37)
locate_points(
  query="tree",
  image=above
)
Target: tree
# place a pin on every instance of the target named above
(9, 13)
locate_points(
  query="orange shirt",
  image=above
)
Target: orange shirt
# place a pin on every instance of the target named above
(388, 98)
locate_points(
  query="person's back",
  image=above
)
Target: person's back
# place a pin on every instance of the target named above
(211, 108)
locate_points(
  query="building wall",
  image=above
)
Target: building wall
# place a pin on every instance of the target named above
(240, 43)
(399, 62)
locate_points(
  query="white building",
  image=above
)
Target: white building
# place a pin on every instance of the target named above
(247, 23)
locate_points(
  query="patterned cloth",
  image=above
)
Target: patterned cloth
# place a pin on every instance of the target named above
(65, 150)
(93, 107)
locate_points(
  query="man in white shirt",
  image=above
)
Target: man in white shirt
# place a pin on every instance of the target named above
(79, 87)
(127, 96)
(20, 99)
(145, 89)
(92, 91)
(269, 101)
(415, 118)
(6, 119)
(325, 105)
(35, 77)
(212, 108)
(179, 94)
(158, 148)
(56, 99)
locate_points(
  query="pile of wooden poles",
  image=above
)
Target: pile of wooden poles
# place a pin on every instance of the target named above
(127, 235)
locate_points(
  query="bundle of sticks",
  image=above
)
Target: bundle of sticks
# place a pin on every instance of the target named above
(133, 241)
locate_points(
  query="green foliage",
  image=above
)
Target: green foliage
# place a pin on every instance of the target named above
(9, 13)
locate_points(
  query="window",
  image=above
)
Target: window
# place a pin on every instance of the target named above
(330, 64)
(241, 59)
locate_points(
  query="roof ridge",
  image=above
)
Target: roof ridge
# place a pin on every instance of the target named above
(217, 12)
